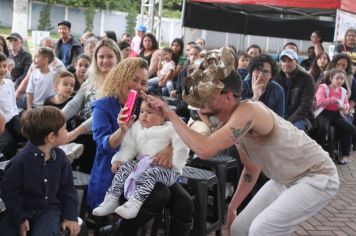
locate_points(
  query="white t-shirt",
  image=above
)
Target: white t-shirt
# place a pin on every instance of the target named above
(8, 99)
(135, 44)
(167, 66)
(41, 86)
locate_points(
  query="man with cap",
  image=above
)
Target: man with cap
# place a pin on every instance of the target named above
(67, 47)
(303, 178)
(136, 41)
(21, 58)
(299, 90)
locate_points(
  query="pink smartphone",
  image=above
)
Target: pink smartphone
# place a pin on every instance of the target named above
(130, 104)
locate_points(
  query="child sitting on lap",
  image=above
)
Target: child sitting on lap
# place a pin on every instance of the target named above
(136, 178)
(37, 187)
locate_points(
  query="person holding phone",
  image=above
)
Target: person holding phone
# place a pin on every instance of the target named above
(135, 175)
(108, 132)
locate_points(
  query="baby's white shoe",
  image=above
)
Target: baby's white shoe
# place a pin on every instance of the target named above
(129, 209)
(107, 207)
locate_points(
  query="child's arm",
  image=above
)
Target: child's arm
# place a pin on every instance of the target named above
(128, 149)
(321, 99)
(12, 188)
(2, 122)
(29, 100)
(30, 91)
(67, 194)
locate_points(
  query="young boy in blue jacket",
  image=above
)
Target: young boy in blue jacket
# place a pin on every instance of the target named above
(37, 187)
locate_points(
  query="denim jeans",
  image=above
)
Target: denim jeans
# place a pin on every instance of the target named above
(43, 222)
(301, 124)
(22, 102)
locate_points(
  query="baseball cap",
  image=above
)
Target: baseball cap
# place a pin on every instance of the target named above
(141, 28)
(66, 23)
(289, 53)
(14, 36)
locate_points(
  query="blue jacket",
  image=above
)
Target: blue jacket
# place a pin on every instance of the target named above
(105, 112)
(273, 98)
(31, 184)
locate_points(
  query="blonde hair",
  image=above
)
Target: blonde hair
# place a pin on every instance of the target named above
(120, 75)
(93, 71)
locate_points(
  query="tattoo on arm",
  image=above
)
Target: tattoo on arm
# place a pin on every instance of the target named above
(236, 133)
(247, 178)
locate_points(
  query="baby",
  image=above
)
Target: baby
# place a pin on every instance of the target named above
(136, 178)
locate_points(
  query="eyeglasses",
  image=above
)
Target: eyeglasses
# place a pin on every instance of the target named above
(264, 72)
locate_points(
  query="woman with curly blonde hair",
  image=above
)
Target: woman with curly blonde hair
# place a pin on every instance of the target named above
(109, 127)
(108, 132)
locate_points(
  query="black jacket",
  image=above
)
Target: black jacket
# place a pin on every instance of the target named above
(74, 51)
(299, 94)
(23, 61)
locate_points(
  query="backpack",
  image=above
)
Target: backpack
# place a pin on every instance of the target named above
(327, 91)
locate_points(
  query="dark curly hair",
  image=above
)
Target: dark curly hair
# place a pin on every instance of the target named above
(258, 61)
(153, 39)
(338, 57)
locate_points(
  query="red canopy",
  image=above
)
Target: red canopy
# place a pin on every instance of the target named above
(346, 5)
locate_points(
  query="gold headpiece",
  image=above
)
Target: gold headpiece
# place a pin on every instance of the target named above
(202, 85)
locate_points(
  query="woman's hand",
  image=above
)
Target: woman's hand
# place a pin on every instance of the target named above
(164, 157)
(230, 217)
(121, 120)
(115, 166)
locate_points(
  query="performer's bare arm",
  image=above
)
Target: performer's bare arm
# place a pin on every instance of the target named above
(248, 116)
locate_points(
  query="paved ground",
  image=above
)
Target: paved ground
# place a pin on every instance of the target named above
(339, 216)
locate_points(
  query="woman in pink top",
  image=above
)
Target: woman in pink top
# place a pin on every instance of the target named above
(332, 101)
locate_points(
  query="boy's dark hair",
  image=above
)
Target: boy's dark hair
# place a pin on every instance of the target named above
(3, 57)
(257, 63)
(291, 43)
(60, 75)
(168, 50)
(46, 52)
(330, 74)
(254, 46)
(83, 56)
(123, 44)
(198, 48)
(38, 123)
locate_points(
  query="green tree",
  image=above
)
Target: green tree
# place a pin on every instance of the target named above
(45, 19)
(89, 18)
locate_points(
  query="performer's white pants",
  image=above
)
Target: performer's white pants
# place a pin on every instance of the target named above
(277, 209)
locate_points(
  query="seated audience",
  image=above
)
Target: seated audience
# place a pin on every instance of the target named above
(333, 105)
(40, 85)
(21, 58)
(11, 133)
(299, 87)
(37, 188)
(260, 86)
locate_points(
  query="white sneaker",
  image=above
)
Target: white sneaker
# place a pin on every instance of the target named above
(129, 209)
(107, 207)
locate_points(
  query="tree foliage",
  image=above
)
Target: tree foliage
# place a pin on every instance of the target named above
(45, 21)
